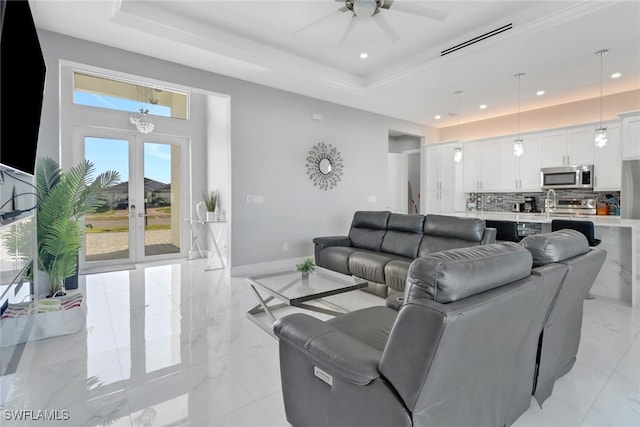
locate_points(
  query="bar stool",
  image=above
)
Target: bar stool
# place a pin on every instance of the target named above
(505, 230)
(585, 227)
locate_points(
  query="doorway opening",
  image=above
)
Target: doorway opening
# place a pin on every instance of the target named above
(404, 173)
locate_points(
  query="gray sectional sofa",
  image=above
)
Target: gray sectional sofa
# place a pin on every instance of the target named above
(480, 330)
(381, 245)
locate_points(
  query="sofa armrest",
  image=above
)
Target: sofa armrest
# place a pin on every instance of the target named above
(325, 242)
(489, 236)
(341, 353)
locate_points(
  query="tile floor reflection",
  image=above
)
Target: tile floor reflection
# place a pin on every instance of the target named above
(169, 345)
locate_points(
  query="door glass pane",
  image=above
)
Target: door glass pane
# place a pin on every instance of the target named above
(161, 190)
(107, 230)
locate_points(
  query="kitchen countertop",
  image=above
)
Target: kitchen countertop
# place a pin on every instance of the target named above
(598, 220)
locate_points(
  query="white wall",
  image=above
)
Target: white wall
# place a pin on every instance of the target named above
(271, 134)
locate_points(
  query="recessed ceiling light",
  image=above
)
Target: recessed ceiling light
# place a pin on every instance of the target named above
(540, 93)
(483, 106)
(437, 117)
(364, 55)
(615, 75)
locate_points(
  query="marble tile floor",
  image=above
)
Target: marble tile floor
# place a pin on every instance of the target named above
(169, 345)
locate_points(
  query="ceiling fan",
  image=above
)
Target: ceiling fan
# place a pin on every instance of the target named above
(375, 10)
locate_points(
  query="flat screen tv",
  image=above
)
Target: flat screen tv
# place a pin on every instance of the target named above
(22, 75)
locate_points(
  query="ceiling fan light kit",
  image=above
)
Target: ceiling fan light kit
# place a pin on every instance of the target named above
(376, 10)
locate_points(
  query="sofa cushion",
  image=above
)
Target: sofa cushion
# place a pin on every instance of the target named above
(369, 265)
(442, 232)
(457, 273)
(555, 246)
(404, 233)
(454, 227)
(368, 228)
(336, 258)
(395, 273)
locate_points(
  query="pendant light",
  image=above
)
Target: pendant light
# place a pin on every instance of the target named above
(457, 152)
(142, 121)
(518, 147)
(601, 133)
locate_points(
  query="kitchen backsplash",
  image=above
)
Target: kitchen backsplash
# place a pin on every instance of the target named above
(502, 202)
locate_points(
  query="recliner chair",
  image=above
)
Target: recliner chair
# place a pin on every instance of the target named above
(461, 350)
(560, 338)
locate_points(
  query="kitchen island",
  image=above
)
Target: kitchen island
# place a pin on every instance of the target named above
(620, 275)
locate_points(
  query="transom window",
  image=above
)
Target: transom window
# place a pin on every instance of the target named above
(106, 92)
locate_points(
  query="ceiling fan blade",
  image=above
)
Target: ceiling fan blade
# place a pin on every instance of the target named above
(382, 22)
(349, 29)
(321, 19)
(400, 6)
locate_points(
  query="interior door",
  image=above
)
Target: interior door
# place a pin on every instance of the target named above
(142, 217)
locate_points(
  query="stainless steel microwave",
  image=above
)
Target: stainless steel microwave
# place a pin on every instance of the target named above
(567, 177)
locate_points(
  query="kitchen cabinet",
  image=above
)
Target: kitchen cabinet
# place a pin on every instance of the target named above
(630, 135)
(608, 161)
(441, 178)
(481, 168)
(520, 174)
(569, 146)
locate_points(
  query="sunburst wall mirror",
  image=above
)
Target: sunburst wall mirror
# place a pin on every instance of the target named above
(324, 166)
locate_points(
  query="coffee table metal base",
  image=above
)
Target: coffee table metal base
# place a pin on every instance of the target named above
(287, 291)
(264, 307)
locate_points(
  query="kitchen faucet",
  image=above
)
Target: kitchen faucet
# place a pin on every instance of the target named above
(548, 202)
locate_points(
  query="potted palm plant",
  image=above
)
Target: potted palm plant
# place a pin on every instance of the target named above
(64, 198)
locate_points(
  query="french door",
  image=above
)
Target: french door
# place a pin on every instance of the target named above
(142, 217)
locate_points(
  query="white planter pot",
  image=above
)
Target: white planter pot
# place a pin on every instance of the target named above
(46, 318)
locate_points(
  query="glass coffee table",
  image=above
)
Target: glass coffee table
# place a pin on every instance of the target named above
(292, 290)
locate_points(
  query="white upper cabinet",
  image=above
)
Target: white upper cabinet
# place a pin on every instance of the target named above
(563, 147)
(519, 174)
(490, 165)
(631, 135)
(608, 161)
(554, 148)
(481, 172)
(580, 145)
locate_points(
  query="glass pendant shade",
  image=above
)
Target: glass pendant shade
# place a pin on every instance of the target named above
(600, 137)
(142, 121)
(518, 148)
(457, 154)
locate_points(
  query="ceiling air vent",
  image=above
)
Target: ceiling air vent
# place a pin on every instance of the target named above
(477, 39)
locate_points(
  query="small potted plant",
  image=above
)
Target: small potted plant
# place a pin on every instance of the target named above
(213, 208)
(305, 267)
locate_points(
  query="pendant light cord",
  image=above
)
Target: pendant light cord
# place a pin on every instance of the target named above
(458, 135)
(601, 55)
(519, 76)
